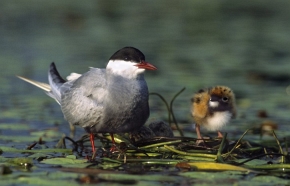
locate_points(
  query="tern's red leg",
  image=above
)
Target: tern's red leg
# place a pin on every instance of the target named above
(92, 142)
(113, 148)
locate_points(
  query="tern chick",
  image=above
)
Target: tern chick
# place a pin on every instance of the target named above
(213, 108)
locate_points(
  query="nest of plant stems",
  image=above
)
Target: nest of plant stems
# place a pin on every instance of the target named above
(183, 153)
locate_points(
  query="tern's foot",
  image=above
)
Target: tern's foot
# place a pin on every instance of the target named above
(89, 158)
(113, 148)
(201, 141)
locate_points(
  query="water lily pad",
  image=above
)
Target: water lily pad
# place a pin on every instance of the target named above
(14, 126)
(11, 149)
(252, 162)
(119, 177)
(5, 170)
(18, 138)
(49, 133)
(268, 180)
(44, 181)
(67, 162)
(20, 161)
(39, 156)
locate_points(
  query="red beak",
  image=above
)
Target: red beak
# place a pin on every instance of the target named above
(146, 65)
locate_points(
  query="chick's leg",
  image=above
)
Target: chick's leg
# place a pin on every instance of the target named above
(220, 135)
(199, 137)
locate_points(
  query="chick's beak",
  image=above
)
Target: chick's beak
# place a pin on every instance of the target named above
(146, 65)
(214, 101)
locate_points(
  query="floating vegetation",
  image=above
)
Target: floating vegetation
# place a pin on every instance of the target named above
(141, 157)
(173, 152)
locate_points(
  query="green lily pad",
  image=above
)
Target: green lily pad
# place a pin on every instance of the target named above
(213, 175)
(123, 177)
(39, 156)
(14, 126)
(4, 169)
(39, 181)
(67, 162)
(11, 149)
(50, 133)
(269, 180)
(18, 139)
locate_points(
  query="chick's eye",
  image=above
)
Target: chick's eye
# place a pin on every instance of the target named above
(225, 99)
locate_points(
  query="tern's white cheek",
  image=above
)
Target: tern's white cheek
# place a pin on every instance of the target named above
(124, 68)
(140, 70)
(213, 104)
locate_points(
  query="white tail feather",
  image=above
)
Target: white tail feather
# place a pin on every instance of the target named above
(44, 86)
(73, 76)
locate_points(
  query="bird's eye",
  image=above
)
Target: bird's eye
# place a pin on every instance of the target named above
(225, 99)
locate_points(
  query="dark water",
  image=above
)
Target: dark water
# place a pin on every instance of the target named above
(195, 44)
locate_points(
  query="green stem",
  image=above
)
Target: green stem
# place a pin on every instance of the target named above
(166, 104)
(190, 154)
(238, 142)
(172, 113)
(160, 144)
(280, 148)
(219, 153)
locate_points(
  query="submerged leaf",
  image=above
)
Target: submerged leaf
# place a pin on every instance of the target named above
(18, 138)
(21, 161)
(213, 175)
(67, 162)
(5, 170)
(42, 181)
(119, 177)
(269, 180)
(14, 126)
(49, 133)
(282, 167)
(11, 149)
(39, 156)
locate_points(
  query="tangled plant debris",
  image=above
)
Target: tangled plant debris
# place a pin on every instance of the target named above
(150, 151)
(180, 152)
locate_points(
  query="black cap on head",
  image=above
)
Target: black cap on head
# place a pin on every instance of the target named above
(128, 54)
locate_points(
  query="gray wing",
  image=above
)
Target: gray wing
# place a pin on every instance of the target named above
(82, 98)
